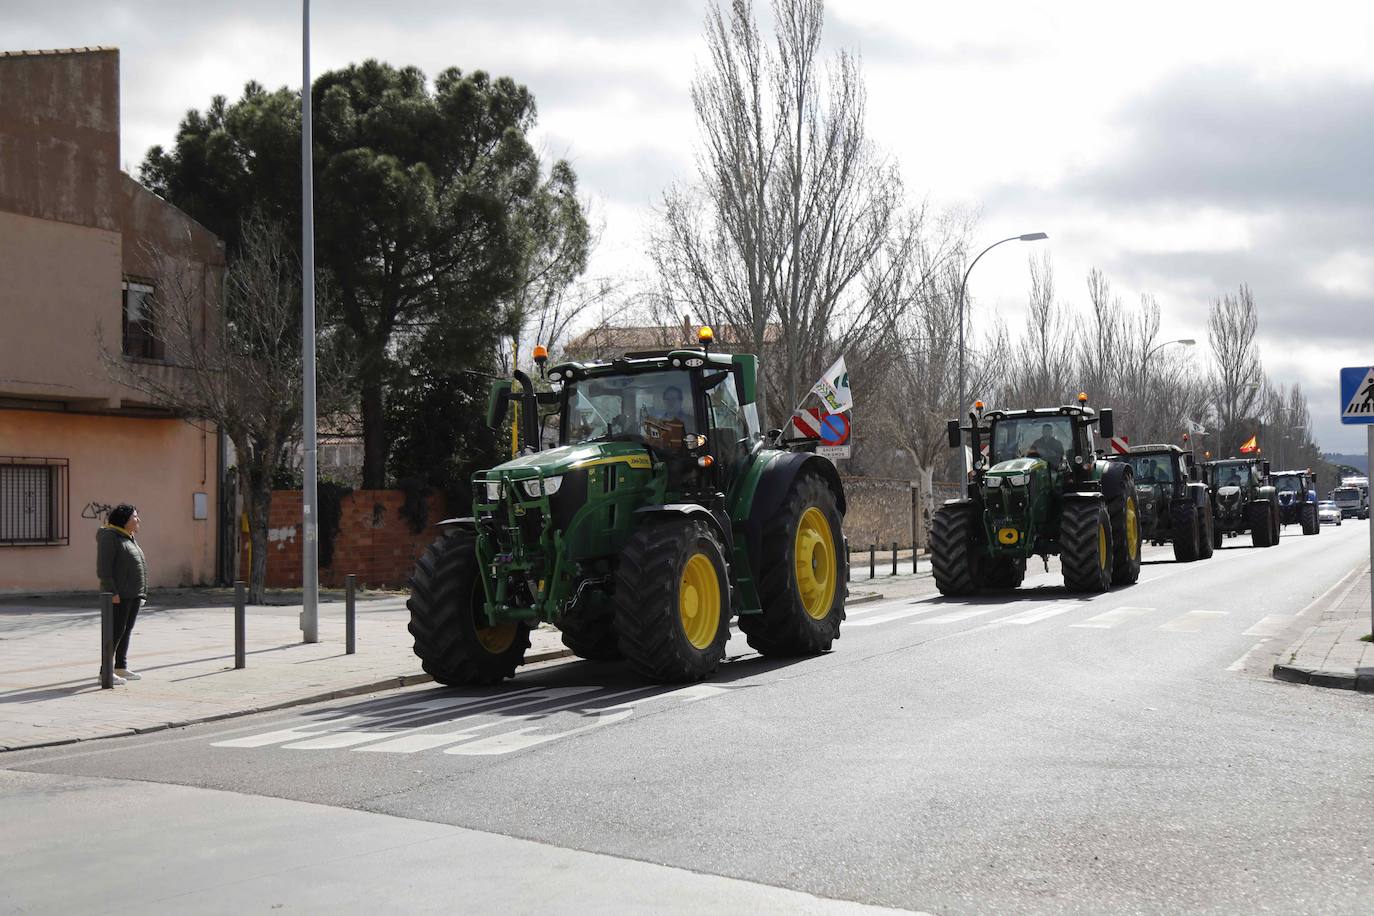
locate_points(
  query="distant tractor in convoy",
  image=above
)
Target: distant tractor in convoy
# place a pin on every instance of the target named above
(1043, 490)
(1174, 504)
(1297, 492)
(1243, 499)
(662, 512)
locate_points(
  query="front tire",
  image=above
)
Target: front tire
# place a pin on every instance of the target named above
(453, 640)
(672, 600)
(1085, 546)
(590, 634)
(955, 553)
(801, 581)
(1261, 524)
(1187, 538)
(1208, 539)
(1124, 513)
(1310, 524)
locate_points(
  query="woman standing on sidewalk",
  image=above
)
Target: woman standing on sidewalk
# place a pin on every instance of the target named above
(120, 565)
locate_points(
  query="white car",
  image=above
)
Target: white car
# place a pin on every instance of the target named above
(1328, 513)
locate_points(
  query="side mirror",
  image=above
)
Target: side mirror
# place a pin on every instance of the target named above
(498, 403)
(1104, 423)
(956, 436)
(1265, 464)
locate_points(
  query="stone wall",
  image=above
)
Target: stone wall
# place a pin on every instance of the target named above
(375, 541)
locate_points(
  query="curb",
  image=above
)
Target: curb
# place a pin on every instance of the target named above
(863, 598)
(390, 683)
(1318, 677)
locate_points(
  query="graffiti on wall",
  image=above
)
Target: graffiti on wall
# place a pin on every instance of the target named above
(96, 511)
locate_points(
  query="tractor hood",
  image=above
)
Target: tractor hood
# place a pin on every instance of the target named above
(1015, 467)
(1229, 492)
(555, 461)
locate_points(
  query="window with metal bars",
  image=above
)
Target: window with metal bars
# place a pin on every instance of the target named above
(140, 332)
(34, 502)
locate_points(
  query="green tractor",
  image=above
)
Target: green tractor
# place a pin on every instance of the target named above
(662, 512)
(1042, 489)
(1175, 505)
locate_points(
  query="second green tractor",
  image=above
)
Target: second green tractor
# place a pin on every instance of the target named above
(1040, 489)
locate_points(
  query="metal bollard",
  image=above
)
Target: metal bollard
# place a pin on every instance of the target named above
(872, 563)
(894, 558)
(913, 559)
(240, 626)
(350, 614)
(106, 640)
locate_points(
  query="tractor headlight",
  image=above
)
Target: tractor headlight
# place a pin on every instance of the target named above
(493, 491)
(1018, 480)
(551, 485)
(993, 482)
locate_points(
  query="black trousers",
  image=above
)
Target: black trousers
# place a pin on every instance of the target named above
(125, 613)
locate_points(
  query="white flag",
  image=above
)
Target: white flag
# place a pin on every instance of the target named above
(1194, 428)
(833, 388)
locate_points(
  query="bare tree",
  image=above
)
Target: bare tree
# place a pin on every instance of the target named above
(1238, 374)
(792, 204)
(234, 360)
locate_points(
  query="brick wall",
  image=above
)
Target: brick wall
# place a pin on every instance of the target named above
(374, 543)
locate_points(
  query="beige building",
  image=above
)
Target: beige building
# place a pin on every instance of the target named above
(74, 234)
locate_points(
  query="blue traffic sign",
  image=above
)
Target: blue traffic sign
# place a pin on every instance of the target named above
(834, 429)
(1357, 395)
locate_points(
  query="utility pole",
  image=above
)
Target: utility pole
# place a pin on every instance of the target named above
(310, 567)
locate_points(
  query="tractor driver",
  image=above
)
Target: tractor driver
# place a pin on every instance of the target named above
(672, 407)
(1047, 447)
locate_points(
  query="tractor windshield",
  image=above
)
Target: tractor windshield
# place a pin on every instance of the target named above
(1152, 468)
(652, 407)
(1289, 484)
(1048, 438)
(1234, 475)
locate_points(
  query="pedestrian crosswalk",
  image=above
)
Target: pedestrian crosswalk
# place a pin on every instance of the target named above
(936, 612)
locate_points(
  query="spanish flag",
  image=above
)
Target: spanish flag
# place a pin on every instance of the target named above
(1250, 445)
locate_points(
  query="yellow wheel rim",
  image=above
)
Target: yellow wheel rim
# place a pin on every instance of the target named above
(1132, 529)
(1102, 546)
(496, 639)
(814, 556)
(698, 601)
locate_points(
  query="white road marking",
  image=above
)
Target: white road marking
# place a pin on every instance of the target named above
(1239, 663)
(1190, 622)
(1113, 617)
(1035, 615)
(894, 615)
(1273, 625)
(957, 616)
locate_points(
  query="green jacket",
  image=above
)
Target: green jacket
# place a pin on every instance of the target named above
(120, 565)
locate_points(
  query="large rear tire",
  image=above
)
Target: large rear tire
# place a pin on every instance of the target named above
(590, 633)
(1085, 546)
(453, 640)
(672, 600)
(801, 582)
(955, 554)
(1124, 513)
(1261, 523)
(1004, 572)
(1186, 536)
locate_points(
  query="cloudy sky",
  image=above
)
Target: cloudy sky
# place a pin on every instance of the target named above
(1183, 148)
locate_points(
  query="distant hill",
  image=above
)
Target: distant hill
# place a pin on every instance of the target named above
(1355, 461)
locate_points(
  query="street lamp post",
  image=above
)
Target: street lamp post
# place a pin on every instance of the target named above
(963, 391)
(310, 568)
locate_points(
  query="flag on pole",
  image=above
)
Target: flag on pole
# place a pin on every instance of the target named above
(1250, 445)
(833, 388)
(1194, 428)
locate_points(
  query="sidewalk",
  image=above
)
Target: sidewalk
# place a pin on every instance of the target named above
(49, 684)
(1331, 653)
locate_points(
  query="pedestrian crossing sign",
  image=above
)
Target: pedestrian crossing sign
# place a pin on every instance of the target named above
(1357, 395)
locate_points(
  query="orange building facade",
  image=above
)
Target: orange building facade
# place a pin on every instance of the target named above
(75, 233)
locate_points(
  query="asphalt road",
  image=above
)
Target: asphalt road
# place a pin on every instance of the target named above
(1030, 751)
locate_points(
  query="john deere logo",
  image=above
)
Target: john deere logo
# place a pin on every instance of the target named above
(1008, 536)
